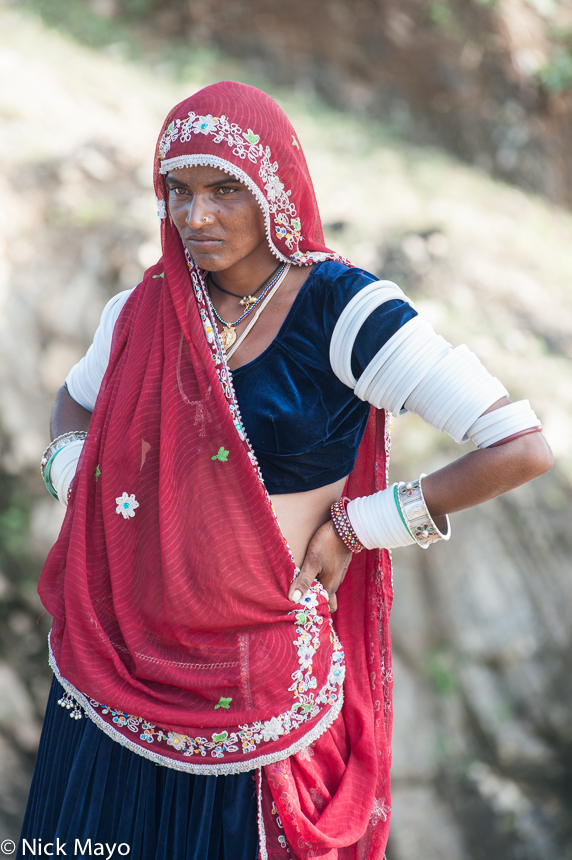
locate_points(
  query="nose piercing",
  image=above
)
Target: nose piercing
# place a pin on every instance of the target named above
(205, 219)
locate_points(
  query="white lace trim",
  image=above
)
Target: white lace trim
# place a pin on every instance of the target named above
(299, 258)
(261, 829)
(214, 769)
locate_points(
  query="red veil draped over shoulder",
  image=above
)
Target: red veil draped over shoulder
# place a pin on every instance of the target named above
(172, 629)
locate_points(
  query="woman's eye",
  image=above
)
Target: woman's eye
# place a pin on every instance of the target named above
(226, 190)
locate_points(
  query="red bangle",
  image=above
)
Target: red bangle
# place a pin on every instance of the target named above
(516, 436)
(343, 525)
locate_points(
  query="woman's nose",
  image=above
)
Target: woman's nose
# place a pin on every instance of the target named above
(198, 213)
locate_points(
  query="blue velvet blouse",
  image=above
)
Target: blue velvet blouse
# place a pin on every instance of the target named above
(304, 425)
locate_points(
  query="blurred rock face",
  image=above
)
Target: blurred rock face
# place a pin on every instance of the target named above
(491, 80)
(483, 681)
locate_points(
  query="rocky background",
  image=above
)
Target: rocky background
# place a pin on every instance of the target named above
(377, 91)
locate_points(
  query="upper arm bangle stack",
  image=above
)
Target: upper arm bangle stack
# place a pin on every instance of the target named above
(503, 423)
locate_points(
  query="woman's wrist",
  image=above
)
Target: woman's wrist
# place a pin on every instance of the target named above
(378, 522)
(59, 463)
(343, 525)
(397, 516)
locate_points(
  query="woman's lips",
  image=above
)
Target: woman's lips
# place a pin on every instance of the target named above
(203, 241)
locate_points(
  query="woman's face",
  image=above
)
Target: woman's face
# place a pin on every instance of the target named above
(217, 217)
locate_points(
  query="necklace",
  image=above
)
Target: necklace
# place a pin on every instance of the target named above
(230, 352)
(228, 334)
(245, 301)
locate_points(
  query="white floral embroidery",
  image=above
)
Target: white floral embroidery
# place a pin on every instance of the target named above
(272, 730)
(204, 124)
(306, 705)
(177, 741)
(380, 810)
(244, 145)
(126, 505)
(161, 207)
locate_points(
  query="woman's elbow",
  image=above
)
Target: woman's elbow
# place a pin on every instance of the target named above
(536, 457)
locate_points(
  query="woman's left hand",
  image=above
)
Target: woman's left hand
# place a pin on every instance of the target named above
(327, 559)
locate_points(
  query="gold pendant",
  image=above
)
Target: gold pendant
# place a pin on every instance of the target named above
(247, 302)
(227, 337)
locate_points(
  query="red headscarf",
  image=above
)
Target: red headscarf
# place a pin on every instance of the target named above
(168, 582)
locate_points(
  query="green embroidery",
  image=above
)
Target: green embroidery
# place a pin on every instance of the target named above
(295, 142)
(250, 137)
(296, 224)
(301, 618)
(222, 737)
(97, 472)
(307, 706)
(162, 275)
(222, 455)
(224, 703)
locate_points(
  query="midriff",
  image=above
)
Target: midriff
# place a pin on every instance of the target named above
(301, 514)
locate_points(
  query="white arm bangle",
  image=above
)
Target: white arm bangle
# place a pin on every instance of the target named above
(454, 393)
(400, 365)
(64, 468)
(502, 423)
(395, 517)
(416, 370)
(351, 320)
(377, 521)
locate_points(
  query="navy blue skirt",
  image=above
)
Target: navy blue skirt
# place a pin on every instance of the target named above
(88, 787)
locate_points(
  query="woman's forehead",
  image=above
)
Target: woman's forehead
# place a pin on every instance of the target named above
(201, 175)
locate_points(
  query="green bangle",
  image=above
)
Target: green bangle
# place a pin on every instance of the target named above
(58, 444)
(398, 506)
(47, 475)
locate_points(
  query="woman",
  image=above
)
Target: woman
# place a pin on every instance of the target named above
(190, 583)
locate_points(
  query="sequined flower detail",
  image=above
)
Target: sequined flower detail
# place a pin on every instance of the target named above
(161, 208)
(205, 124)
(179, 742)
(274, 188)
(126, 505)
(272, 729)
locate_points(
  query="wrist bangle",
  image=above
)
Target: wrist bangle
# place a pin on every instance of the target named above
(50, 453)
(344, 527)
(415, 515)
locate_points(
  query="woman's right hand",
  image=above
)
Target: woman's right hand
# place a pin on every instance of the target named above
(327, 559)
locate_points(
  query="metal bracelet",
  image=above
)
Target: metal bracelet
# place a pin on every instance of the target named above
(50, 453)
(57, 444)
(417, 519)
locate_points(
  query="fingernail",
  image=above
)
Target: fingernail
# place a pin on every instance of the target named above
(296, 596)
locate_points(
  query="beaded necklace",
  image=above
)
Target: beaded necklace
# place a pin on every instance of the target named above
(228, 334)
(245, 301)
